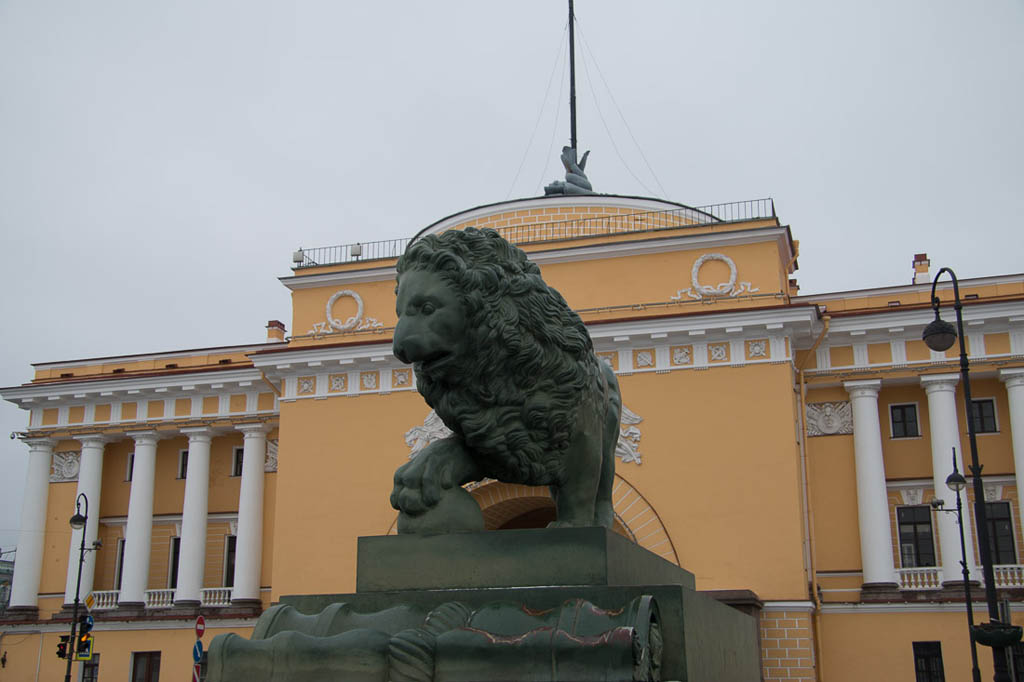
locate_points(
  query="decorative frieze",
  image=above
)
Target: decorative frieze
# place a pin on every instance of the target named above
(65, 466)
(829, 419)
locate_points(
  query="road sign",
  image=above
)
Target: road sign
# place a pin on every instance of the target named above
(90, 601)
(197, 651)
(200, 627)
(196, 672)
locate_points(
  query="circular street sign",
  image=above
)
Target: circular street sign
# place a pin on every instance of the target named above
(197, 651)
(200, 627)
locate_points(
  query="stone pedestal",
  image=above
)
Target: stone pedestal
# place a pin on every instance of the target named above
(558, 604)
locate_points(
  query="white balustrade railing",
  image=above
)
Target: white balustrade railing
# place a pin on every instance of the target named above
(1009, 575)
(919, 578)
(216, 596)
(104, 600)
(159, 599)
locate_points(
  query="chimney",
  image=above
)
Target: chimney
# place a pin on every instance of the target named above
(921, 264)
(275, 331)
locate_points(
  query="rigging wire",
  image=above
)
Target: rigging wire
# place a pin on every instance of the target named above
(559, 56)
(611, 95)
(554, 130)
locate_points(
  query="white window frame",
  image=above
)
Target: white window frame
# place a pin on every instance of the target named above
(917, 411)
(182, 459)
(995, 414)
(236, 461)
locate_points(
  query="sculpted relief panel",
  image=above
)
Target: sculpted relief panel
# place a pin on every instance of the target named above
(829, 419)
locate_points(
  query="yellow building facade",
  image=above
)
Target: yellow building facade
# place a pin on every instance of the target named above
(783, 448)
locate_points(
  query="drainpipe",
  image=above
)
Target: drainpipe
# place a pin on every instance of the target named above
(809, 510)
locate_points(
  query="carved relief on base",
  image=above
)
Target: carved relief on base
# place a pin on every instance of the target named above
(829, 419)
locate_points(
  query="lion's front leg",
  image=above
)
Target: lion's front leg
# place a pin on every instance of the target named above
(441, 465)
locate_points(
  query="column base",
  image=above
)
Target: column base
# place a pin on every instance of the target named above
(20, 614)
(130, 608)
(187, 603)
(880, 592)
(247, 603)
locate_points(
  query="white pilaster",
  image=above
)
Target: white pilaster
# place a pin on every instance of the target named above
(945, 437)
(249, 542)
(139, 529)
(192, 555)
(28, 562)
(872, 502)
(90, 478)
(1014, 380)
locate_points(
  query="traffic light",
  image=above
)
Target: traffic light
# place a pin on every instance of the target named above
(85, 624)
(62, 646)
(83, 649)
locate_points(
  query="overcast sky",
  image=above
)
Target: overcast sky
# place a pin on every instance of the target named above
(159, 161)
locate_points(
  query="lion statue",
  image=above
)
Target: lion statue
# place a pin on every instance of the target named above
(511, 370)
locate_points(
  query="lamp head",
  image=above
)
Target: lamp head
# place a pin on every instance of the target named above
(939, 335)
(77, 521)
(956, 482)
(936, 503)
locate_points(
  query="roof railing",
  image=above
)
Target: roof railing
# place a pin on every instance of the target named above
(580, 228)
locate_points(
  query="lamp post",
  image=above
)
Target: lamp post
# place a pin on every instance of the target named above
(940, 335)
(956, 482)
(77, 522)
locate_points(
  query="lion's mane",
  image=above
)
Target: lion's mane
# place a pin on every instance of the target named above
(530, 366)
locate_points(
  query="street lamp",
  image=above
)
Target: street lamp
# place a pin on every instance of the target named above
(77, 522)
(939, 335)
(956, 482)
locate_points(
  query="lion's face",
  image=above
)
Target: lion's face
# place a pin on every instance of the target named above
(431, 323)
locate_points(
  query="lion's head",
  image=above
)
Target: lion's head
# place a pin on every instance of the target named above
(497, 352)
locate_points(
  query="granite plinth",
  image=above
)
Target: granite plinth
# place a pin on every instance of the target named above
(510, 558)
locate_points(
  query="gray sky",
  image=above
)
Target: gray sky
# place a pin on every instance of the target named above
(160, 161)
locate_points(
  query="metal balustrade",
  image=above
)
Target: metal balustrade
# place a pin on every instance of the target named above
(580, 228)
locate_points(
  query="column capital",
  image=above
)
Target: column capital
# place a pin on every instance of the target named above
(253, 430)
(199, 433)
(940, 382)
(860, 389)
(1012, 377)
(145, 437)
(93, 438)
(40, 443)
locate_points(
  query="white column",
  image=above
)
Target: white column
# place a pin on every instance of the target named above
(249, 542)
(90, 478)
(945, 437)
(28, 562)
(139, 530)
(1014, 380)
(192, 555)
(872, 501)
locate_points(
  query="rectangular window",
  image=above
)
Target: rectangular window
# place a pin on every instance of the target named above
(928, 662)
(229, 561)
(984, 415)
(904, 421)
(131, 466)
(183, 464)
(145, 666)
(120, 564)
(917, 548)
(90, 669)
(1000, 532)
(172, 568)
(236, 462)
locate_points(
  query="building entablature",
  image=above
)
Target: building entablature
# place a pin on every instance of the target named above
(164, 401)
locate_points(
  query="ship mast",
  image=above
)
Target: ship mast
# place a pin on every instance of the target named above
(572, 77)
